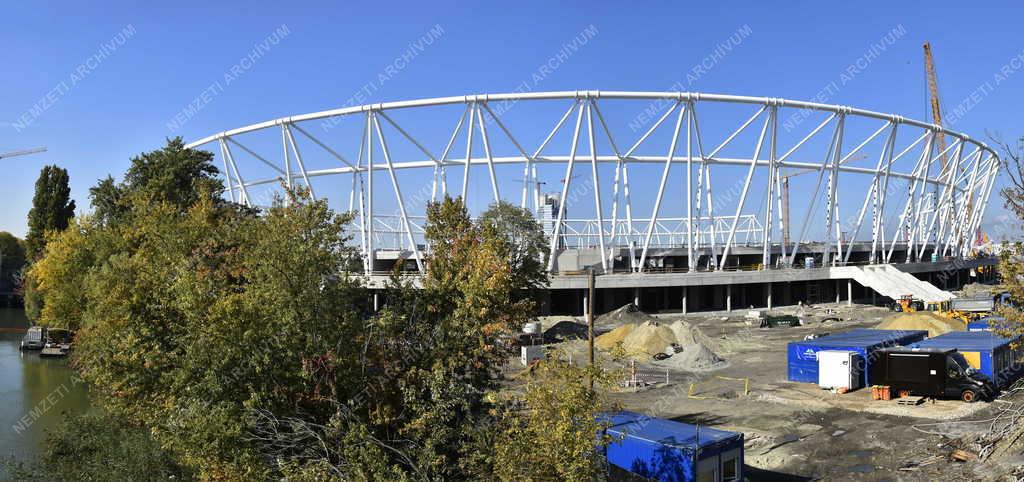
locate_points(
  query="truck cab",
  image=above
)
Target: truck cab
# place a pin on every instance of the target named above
(966, 383)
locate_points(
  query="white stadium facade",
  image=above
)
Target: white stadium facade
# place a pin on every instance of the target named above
(678, 201)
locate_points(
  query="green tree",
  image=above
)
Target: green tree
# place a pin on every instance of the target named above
(171, 174)
(107, 201)
(52, 208)
(551, 433)
(12, 260)
(1011, 259)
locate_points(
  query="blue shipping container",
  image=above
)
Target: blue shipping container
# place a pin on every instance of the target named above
(802, 356)
(669, 451)
(985, 351)
(986, 323)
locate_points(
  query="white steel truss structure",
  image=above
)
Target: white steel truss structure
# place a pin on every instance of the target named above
(935, 200)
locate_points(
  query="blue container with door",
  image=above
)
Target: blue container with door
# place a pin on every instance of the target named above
(669, 451)
(985, 351)
(802, 356)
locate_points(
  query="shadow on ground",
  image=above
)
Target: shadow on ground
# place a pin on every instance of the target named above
(760, 475)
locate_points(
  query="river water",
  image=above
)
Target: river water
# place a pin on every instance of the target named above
(35, 393)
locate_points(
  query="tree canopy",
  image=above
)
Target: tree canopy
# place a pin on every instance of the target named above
(52, 208)
(12, 260)
(172, 174)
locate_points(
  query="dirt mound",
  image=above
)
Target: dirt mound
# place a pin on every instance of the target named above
(934, 323)
(565, 330)
(687, 334)
(694, 357)
(626, 314)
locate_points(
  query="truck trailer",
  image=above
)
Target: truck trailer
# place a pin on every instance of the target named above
(933, 373)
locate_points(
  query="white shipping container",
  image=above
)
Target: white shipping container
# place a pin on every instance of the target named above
(839, 369)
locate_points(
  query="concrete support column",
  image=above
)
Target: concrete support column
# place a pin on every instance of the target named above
(849, 292)
(958, 285)
(686, 291)
(636, 297)
(768, 288)
(728, 297)
(376, 302)
(838, 292)
(586, 305)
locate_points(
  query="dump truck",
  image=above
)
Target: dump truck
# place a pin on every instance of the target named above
(975, 304)
(931, 373)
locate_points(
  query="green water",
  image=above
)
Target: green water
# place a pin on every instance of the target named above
(35, 393)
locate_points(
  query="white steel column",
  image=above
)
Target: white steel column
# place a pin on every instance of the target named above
(298, 159)
(370, 253)
(469, 157)
(487, 152)
(833, 185)
(597, 187)
(227, 172)
(398, 192)
(565, 190)
(661, 186)
(743, 193)
(238, 176)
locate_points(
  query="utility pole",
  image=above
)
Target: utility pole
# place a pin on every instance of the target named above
(590, 322)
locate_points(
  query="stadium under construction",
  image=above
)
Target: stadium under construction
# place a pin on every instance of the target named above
(677, 201)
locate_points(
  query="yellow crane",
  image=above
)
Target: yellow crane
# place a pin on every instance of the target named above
(933, 91)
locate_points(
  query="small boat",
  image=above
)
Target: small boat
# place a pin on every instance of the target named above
(53, 350)
(34, 338)
(58, 343)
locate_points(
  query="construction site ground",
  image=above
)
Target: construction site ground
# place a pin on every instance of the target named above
(797, 431)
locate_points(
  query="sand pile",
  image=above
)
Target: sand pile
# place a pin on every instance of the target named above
(608, 340)
(646, 339)
(934, 323)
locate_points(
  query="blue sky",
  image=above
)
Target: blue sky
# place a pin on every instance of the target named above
(125, 102)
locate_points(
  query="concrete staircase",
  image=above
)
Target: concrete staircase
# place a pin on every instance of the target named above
(893, 283)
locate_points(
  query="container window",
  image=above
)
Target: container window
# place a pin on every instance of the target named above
(731, 469)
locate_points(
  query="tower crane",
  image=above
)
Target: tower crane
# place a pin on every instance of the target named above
(24, 152)
(933, 91)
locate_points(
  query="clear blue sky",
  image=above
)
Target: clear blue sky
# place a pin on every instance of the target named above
(121, 105)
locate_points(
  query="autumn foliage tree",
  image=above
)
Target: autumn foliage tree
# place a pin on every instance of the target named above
(241, 345)
(1011, 259)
